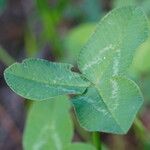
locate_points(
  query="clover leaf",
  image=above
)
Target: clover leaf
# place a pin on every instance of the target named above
(107, 100)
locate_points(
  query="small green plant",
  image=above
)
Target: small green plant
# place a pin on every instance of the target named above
(106, 100)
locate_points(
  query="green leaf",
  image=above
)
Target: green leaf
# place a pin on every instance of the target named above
(112, 109)
(49, 125)
(76, 39)
(110, 50)
(79, 146)
(145, 5)
(121, 3)
(113, 101)
(141, 63)
(38, 79)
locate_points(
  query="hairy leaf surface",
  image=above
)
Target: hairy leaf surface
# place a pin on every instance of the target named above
(113, 101)
(38, 79)
(111, 109)
(110, 50)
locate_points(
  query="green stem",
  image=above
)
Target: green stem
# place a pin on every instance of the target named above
(139, 129)
(5, 57)
(84, 134)
(31, 45)
(50, 19)
(96, 140)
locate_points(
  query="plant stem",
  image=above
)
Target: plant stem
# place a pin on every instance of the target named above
(50, 19)
(84, 134)
(5, 57)
(141, 132)
(96, 140)
(140, 129)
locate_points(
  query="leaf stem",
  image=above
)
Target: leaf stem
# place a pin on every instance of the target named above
(96, 140)
(84, 134)
(5, 57)
(140, 131)
(138, 125)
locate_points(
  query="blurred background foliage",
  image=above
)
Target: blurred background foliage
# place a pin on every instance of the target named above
(56, 30)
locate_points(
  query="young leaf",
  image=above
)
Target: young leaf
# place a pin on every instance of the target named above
(38, 79)
(113, 101)
(49, 125)
(111, 109)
